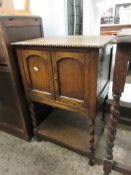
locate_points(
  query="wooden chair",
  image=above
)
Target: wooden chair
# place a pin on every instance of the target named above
(123, 56)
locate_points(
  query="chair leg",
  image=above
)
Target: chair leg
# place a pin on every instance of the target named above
(111, 133)
(104, 109)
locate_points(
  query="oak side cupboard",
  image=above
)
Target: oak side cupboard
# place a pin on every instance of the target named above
(70, 73)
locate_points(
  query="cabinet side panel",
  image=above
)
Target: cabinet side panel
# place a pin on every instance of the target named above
(105, 57)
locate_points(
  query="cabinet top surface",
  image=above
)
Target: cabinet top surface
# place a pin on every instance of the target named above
(68, 41)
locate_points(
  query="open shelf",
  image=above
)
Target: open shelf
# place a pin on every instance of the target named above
(68, 129)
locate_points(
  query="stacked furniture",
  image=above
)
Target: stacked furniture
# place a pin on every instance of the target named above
(14, 115)
(123, 56)
(112, 29)
(72, 74)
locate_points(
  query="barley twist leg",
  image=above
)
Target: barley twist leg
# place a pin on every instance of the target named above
(111, 133)
(91, 141)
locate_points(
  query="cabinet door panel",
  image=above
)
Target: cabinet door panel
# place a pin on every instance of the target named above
(39, 73)
(38, 70)
(71, 77)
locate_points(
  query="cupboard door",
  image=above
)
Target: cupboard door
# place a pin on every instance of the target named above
(38, 73)
(71, 77)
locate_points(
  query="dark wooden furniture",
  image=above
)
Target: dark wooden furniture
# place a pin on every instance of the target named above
(112, 29)
(14, 117)
(123, 55)
(70, 73)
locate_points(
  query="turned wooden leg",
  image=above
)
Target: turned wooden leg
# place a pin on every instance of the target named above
(107, 167)
(34, 121)
(104, 109)
(33, 115)
(111, 133)
(91, 141)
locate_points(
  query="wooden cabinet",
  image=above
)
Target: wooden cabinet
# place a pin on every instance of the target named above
(69, 73)
(14, 115)
(113, 29)
(57, 75)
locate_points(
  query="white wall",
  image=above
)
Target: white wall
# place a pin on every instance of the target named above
(19, 4)
(54, 16)
(53, 13)
(91, 16)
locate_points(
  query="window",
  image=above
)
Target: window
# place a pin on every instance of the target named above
(22, 7)
(19, 4)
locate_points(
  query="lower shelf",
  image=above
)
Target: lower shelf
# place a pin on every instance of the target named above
(69, 129)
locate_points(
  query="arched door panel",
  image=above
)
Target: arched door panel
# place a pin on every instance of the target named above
(71, 76)
(38, 72)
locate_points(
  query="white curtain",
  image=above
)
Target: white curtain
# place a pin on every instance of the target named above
(91, 16)
(54, 15)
